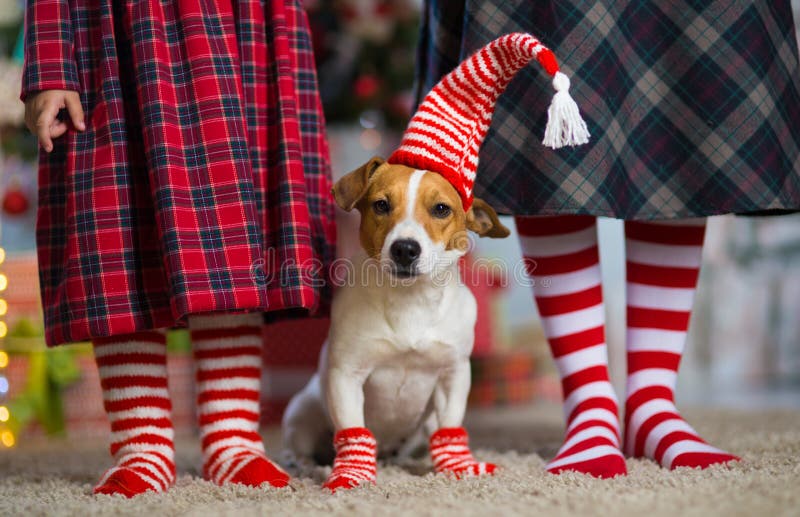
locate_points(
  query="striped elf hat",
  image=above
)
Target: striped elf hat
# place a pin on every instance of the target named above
(446, 132)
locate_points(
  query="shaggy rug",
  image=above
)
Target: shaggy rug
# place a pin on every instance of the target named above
(55, 478)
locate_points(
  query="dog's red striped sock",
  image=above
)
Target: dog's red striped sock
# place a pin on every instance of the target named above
(227, 352)
(356, 459)
(561, 255)
(133, 376)
(663, 262)
(450, 454)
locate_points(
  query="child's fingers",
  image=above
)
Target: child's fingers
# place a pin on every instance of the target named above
(73, 102)
(45, 120)
(57, 129)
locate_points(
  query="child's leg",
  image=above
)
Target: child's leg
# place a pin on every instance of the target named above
(133, 375)
(562, 257)
(663, 262)
(227, 352)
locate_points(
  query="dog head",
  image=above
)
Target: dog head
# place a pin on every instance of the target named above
(412, 221)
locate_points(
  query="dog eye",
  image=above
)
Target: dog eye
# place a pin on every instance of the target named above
(381, 207)
(441, 210)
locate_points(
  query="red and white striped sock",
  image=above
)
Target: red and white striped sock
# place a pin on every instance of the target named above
(450, 453)
(227, 352)
(561, 255)
(356, 459)
(133, 376)
(663, 262)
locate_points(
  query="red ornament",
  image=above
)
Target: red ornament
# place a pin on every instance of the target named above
(366, 86)
(15, 202)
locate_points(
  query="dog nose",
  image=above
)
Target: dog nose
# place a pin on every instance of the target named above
(405, 252)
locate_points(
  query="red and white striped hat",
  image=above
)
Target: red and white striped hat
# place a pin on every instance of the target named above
(446, 132)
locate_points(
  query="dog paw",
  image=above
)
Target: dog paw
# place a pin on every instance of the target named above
(338, 481)
(472, 470)
(356, 459)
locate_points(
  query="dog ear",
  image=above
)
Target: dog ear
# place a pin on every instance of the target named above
(482, 219)
(351, 187)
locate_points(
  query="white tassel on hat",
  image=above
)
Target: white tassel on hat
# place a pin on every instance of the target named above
(564, 123)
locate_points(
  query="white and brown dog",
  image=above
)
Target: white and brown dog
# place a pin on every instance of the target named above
(396, 364)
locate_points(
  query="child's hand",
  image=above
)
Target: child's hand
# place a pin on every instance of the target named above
(41, 115)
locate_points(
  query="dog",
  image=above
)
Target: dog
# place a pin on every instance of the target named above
(402, 324)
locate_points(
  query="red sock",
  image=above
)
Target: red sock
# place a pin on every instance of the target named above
(133, 376)
(227, 352)
(450, 454)
(561, 256)
(663, 262)
(356, 459)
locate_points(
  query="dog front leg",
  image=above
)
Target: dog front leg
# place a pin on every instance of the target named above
(450, 399)
(449, 445)
(345, 397)
(356, 447)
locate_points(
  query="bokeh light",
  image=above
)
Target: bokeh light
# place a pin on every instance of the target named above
(3, 359)
(3, 282)
(4, 414)
(3, 307)
(2, 255)
(3, 385)
(7, 437)
(3, 329)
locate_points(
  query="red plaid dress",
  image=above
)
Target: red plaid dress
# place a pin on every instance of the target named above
(202, 181)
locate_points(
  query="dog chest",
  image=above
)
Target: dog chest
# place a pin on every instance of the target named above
(396, 399)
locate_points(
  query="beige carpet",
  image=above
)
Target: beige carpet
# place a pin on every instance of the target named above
(55, 478)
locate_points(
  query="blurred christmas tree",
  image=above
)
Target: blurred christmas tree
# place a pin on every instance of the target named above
(17, 146)
(365, 57)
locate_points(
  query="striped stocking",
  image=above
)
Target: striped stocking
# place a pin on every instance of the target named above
(561, 255)
(356, 459)
(227, 352)
(133, 376)
(663, 262)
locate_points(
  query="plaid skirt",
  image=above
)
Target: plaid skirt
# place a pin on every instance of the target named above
(202, 181)
(693, 107)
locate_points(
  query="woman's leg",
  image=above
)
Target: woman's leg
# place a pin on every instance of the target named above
(133, 375)
(227, 353)
(562, 257)
(663, 262)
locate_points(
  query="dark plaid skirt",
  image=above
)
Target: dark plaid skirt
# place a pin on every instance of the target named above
(202, 182)
(693, 107)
